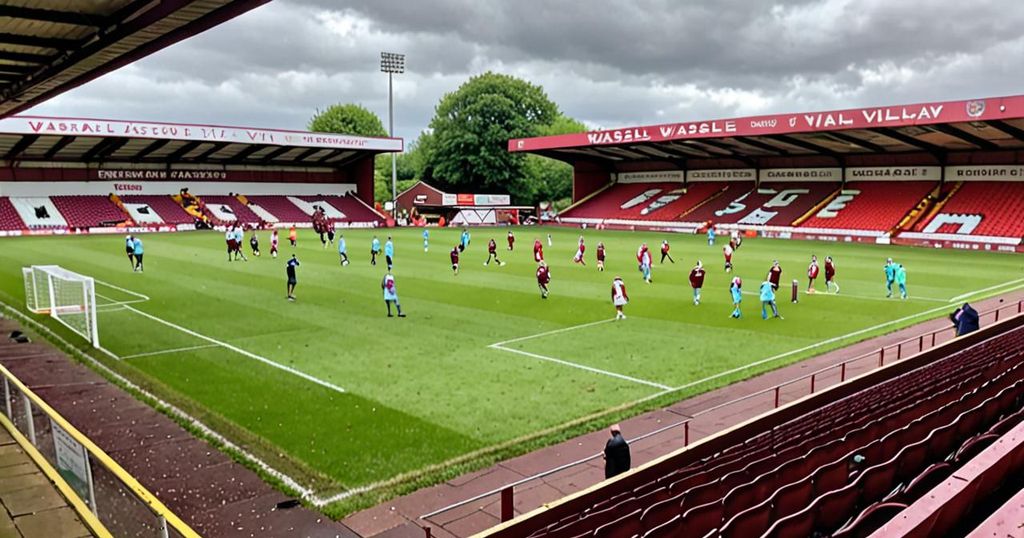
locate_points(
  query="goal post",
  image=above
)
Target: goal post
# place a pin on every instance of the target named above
(68, 297)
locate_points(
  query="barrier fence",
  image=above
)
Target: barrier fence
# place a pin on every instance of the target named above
(97, 483)
(765, 400)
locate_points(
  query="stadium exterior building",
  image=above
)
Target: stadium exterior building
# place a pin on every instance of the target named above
(87, 175)
(461, 209)
(946, 174)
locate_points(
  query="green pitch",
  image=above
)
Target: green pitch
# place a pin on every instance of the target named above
(334, 393)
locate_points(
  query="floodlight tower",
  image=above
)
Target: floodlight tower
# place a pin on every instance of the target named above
(392, 63)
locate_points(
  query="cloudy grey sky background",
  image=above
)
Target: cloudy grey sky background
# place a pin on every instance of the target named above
(608, 63)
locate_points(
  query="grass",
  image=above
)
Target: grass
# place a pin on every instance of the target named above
(425, 396)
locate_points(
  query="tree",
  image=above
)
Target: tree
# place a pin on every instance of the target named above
(551, 179)
(350, 118)
(471, 129)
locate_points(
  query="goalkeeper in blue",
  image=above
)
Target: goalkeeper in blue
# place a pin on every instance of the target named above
(768, 300)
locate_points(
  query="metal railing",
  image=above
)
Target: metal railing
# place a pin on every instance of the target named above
(98, 484)
(773, 397)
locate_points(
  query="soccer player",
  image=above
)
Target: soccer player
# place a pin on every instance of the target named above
(664, 252)
(890, 275)
(727, 252)
(645, 262)
(389, 252)
(711, 235)
(600, 256)
(330, 232)
(619, 297)
(580, 249)
(239, 240)
(830, 274)
(129, 249)
(391, 294)
(543, 277)
(697, 281)
(293, 236)
(492, 252)
(768, 299)
(254, 243)
(342, 249)
(426, 239)
(289, 269)
(538, 251)
(137, 251)
(273, 243)
(374, 250)
(900, 279)
(812, 273)
(464, 240)
(454, 254)
(511, 240)
(229, 238)
(735, 239)
(775, 275)
(549, 240)
(736, 289)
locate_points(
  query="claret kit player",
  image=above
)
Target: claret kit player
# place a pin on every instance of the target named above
(538, 251)
(697, 281)
(600, 256)
(492, 252)
(543, 278)
(578, 258)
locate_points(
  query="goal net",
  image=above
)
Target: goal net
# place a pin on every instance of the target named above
(68, 297)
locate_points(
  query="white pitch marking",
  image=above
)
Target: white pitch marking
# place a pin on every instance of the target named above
(997, 286)
(556, 331)
(582, 367)
(118, 288)
(239, 350)
(166, 351)
(115, 303)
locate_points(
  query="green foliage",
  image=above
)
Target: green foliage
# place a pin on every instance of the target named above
(550, 179)
(348, 118)
(471, 129)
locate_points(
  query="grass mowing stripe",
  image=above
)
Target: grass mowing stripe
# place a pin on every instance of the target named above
(239, 350)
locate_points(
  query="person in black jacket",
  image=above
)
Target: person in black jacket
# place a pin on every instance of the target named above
(616, 454)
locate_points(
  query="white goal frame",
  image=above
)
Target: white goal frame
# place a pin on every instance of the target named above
(42, 297)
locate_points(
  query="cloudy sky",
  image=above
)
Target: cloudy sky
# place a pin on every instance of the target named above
(608, 63)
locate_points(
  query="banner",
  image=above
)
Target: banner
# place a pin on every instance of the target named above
(1012, 172)
(675, 176)
(72, 462)
(801, 174)
(910, 173)
(146, 187)
(725, 174)
(492, 199)
(465, 199)
(448, 199)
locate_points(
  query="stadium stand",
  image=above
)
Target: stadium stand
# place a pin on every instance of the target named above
(347, 208)
(219, 216)
(649, 201)
(775, 204)
(987, 208)
(842, 468)
(38, 212)
(9, 219)
(281, 207)
(169, 211)
(870, 205)
(88, 211)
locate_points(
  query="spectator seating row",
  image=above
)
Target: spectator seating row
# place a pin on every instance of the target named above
(771, 203)
(993, 208)
(651, 201)
(170, 212)
(9, 219)
(870, 205)
(88, 211)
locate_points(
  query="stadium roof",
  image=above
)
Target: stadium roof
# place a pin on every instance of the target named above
(50, 47)
(83, 140)
(934, 130)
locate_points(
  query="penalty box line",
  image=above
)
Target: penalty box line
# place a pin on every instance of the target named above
(239, 350)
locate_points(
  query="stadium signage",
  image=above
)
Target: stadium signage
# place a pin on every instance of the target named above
(210, 175)
(802, 174)
(652, 177)
(726, 174)
(983, 172)
(618, 135)
(923, 173)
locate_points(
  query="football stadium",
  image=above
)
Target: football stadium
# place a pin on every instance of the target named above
(781, 325)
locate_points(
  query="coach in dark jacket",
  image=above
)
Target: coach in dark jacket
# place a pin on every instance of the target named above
(616, 454)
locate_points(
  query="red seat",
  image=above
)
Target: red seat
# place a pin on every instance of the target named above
(669, 529)
(874, 205)
(751, 522)
(626, 526)
(699, 520)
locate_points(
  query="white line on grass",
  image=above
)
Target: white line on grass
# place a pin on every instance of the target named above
(582, 367)
(239, 350)
(556, 331)
(116, 303)
(119, 288)
(166, 351)
(997, 286)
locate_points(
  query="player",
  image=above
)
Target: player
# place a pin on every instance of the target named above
(768, 299)
(389, 252)
(890, 275)
(426, 239)
(454, 254)
(511, 240)
(464, 240)
(619, 297)
(645, 262)
(342, 250)
(812, 273)
(293, 236)
(229, 239)
(711, 235)
(273, 243)
(578, 258)
(538, 251)
(736, 289)
(543, 278)
(239, 240)
(727, 252)
(137, 251)
(830, 275)
(374, 250)
(549, 240)
(254, 243)
(600, 256)
(697, 281)
(775, 275)
(664, 252)
(492, 252)
(735, 239)
(289, 269)
(900, 278)
(391, 294)
(129, 249)
(330, 232)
